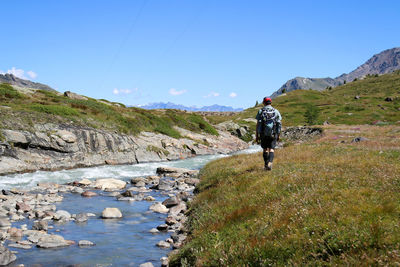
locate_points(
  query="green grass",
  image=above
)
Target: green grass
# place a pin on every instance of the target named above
(98, 113)
(338, 105)
(323, 204)
(7, 92)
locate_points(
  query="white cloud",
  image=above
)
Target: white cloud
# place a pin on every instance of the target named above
(117, 91)
(173, 91)
(20, 73)
(233, 95)
(212, 94)
(32, 74)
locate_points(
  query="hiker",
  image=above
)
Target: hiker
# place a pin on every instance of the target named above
(268, 131)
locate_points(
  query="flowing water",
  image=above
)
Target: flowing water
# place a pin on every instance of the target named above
(123, 242)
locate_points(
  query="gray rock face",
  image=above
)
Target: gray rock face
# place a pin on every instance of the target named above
(51, 147)
(385, 62)
(6, 256)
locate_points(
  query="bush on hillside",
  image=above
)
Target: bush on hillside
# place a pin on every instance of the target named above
(8, 92)
(311, 115)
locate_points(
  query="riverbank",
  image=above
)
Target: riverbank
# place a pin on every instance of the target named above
(96, 221)
(64, 146)
(332, 201)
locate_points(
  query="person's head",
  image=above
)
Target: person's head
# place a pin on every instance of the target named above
(267, 101)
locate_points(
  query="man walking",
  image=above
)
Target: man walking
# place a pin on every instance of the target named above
(268, 131)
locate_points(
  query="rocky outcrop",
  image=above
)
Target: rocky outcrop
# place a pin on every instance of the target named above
(50, 147)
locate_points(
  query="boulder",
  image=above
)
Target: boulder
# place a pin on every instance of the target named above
(77, 190)
(62, 215)
(111, 213)
(158, 207)
(52, 241)
(4, 223)
(15, 232)
(89, 194)
(109, 184)
(170, 202)
(192, 181)
(178, 171)
(136, 180)
(85, 182)
(163, 244)
(180, 208)
(76, 96)
(85, 243)
(6, 257)
(22, 206)
(40, 225)
(389, 99)
(164, 261)
(162, 227)
(359, 139)
(81, 217)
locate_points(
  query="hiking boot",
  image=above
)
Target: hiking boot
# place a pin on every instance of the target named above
(268, 167)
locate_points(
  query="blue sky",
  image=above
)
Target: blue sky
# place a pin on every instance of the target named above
(190, 52)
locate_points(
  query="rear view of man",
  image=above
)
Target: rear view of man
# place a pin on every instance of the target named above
(268, 130)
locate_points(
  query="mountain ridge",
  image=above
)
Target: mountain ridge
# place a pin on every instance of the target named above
(14, 80)
(170, 105)
(384, 62)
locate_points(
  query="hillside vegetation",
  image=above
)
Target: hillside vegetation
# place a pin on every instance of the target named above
(24, 110)
(339, 105)
(326, 202)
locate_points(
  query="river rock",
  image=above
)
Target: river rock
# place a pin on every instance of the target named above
(40, 225)
(177, 171)
(34, 235)
(136, 180)
(162, 227)
(4, 223)
(146, 264)
(163, 185)
(158, 207)
(149, 198)
(52, 241)
(111, 213)
(164, 261)
(77, 190)
(62, 215)
(21, 246)
(85, 182)
(110, 184)
(89, 194)
(192, 181)
(22, 206)
(6, 257)
(170, 202)
(85, 243)
(170, 220)
(163, 244)
(153, 231)
(181, 207)
(81, 217)
(15, 232)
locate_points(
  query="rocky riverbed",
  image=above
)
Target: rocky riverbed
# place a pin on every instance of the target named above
(33, 221)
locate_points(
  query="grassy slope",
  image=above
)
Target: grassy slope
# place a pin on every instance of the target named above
(324, 203)
(44, 106)
(338, 105)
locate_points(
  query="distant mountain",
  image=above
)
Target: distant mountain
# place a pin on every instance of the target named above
(13, 80)
(169, 105)
(384, 62)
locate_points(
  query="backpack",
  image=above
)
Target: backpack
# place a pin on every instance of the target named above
(267, 123)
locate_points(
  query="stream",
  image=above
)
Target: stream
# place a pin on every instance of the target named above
(122, 242)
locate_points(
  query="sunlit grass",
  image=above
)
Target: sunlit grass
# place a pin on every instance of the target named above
(324, 203)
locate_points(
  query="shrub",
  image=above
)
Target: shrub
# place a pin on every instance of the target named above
(311, 115)
(54, 109)
(8, 92)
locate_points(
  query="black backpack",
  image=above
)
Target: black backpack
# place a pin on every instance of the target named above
(267, 122)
